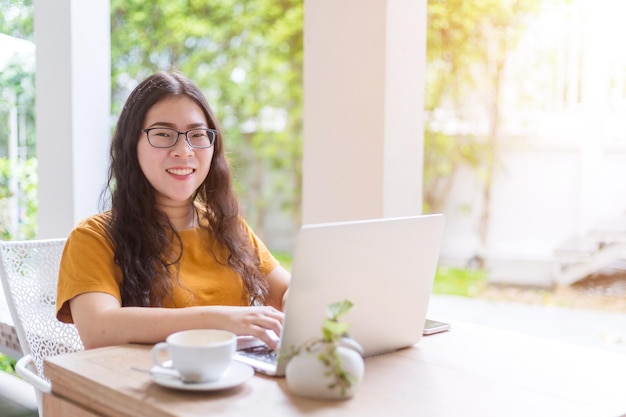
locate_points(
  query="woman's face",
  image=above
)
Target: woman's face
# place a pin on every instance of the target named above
(177, 172)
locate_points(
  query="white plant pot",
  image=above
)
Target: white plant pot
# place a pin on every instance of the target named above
(308, 376)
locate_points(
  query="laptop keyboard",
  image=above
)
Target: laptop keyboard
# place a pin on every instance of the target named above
(263, 353)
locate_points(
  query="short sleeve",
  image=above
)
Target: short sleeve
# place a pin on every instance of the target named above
(87, 265)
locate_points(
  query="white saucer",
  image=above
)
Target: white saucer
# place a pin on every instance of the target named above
(238, 373)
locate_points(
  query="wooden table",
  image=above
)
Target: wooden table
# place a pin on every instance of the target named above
(469, 371)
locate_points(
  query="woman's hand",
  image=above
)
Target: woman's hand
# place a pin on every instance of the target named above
(259, 322)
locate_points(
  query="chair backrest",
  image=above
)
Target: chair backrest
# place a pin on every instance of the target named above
(29, 271)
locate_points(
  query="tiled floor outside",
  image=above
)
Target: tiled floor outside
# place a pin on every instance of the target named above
(593, 328)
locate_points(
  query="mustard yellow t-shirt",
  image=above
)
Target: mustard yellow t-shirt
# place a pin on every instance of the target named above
(87, 265)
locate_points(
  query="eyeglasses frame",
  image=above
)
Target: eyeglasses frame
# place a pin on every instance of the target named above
(146, 131)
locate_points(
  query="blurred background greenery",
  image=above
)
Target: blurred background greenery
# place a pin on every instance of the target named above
(7, 364)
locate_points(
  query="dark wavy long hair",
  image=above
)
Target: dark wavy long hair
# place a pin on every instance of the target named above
(146, 245)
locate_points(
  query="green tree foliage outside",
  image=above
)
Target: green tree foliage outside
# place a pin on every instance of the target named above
(17, 92)
(25, 171)
(7, 364)
(18, 175)
(459, 281)
(16, 18)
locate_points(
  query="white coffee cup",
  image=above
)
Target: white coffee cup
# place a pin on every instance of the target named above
(200, 355)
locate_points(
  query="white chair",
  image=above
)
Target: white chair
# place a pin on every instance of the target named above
(29, 272)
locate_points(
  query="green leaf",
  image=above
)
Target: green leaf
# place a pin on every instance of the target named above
(338, 309)
(332, 330)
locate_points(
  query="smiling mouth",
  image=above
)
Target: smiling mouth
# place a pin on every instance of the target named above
(180, 171)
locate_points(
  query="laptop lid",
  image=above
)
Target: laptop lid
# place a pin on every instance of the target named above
(384, 266)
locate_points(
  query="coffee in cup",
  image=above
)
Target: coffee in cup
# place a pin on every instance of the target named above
(200, 355)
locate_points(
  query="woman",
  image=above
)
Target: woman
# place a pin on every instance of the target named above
(174, 252)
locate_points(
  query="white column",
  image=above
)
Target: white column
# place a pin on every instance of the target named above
(363, 108)
(72, 40)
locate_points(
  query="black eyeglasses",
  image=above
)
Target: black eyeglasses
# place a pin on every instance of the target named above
(163, 137)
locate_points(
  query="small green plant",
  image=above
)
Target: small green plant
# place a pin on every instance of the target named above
(332, 328)
(334, 331)
(334, 335)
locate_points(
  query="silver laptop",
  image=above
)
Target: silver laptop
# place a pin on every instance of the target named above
(384, 266)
